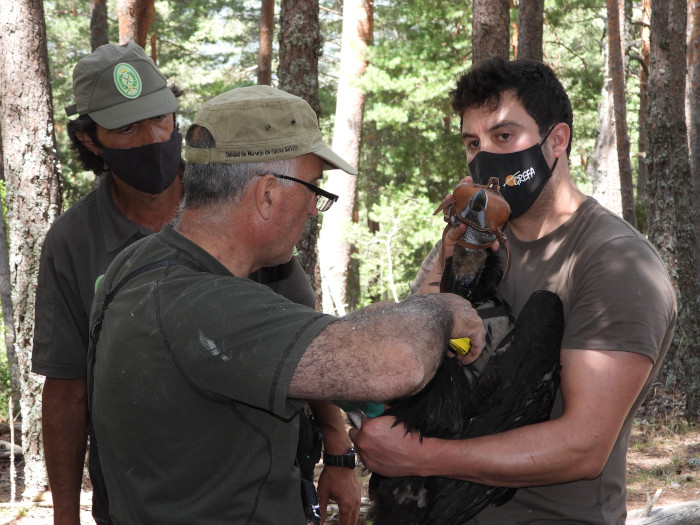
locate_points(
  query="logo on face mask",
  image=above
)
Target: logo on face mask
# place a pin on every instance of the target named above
(507, 167)
(519, 177)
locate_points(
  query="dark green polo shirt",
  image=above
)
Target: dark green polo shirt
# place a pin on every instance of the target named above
(189, 391)
(78, 248)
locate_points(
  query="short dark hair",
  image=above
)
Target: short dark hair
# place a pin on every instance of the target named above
(84, 124)
(535, 85)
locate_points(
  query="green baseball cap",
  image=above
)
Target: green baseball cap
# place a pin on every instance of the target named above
(118, 85)
(261, 124)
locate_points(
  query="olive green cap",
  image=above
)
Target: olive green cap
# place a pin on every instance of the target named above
(261, 124)
(119, 85)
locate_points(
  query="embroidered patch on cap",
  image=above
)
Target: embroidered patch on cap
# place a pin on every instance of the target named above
(127, 80)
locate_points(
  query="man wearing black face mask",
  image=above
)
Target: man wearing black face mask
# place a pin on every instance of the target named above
(126, 133)
(619, 310)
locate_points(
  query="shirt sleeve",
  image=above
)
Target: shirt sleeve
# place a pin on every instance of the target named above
(246, 341)
(622, 299)
(60, 317)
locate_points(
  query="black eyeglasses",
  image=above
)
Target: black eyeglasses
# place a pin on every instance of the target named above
(324, 199)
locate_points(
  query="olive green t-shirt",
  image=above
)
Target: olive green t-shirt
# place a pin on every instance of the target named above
(189, 400)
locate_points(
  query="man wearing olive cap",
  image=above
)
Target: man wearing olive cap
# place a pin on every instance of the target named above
(126, 133)
(179, 335)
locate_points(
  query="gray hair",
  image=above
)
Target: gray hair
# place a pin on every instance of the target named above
(214, 185)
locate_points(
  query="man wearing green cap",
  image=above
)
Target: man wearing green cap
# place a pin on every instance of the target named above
(126, 132)
(178, 334)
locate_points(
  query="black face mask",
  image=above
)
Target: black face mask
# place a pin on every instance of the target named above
(522, 175)
(150, 168)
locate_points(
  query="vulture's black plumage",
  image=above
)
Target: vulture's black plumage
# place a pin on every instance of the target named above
(512, 384)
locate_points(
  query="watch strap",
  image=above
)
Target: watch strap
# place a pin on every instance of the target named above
(349, 459)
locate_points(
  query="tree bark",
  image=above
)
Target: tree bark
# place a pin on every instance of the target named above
(135, 17)
(671, 209)
(33, 195)
(6, 297)
(299, 49)
(98, 24)
(693, 112)
(642, 172)
(490, 29)
(617, 76)
(347, 141)
(603, 167)
(530, 20)
(267, 25)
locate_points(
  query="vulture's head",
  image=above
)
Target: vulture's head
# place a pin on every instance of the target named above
(484, 211)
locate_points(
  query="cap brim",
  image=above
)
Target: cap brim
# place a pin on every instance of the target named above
(332, 161)
(159, 102)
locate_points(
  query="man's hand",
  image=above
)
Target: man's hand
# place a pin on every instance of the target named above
(342, 485)
(387, 449)
(467, 323)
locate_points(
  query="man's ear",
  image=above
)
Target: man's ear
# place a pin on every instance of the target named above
(562, 134)
(265, 195)
(86, 141)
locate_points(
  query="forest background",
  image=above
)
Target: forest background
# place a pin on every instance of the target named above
(633, 84)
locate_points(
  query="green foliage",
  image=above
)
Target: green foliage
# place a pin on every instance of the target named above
(391, 250)
(411, 153)
(5, 385)
(573, 45)
(411, 136)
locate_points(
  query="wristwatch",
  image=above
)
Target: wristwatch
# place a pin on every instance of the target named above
(349, 459)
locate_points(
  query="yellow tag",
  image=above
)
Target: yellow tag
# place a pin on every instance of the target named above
(461, 346)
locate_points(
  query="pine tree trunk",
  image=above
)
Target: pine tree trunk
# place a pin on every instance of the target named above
(642, 171)
(347, 141)
(602, 167)
(530, 19)
(135, 17)
(267, 25)
(490, 29)
(617, 76)
(98, 24)
(33, 195)
(299, 49)
(672, 214)
(8, 323)
(693, 113)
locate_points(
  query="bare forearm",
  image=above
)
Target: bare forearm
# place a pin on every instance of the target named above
(331, 419)
(534, 455)
(384, 352)
(64, 424)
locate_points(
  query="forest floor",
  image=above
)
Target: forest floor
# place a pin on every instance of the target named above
(664, 453)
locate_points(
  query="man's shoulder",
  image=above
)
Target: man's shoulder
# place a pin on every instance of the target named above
(602, 228)
(85, 209)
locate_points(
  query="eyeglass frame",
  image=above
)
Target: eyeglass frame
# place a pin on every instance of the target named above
(319, 192)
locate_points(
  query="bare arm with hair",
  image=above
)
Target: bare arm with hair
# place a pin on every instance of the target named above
(385, 351)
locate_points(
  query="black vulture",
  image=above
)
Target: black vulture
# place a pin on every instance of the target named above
(512, 384)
